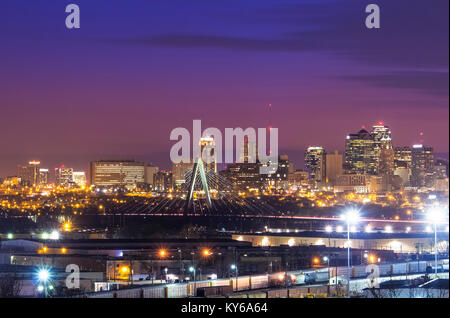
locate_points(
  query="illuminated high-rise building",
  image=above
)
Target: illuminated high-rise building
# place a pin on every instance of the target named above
(163, 180)
(63, 176)
(361, 154)
(79, 178)
(422, 166)
(333, 167)
(43, 176)
(180, 170)
(249, 152)
(383, 146)
(382, 136)
(29, 174)
(403, 164)
(150, 171)
(208, 153)
(315, 163)
(117, 173)
(402, 157)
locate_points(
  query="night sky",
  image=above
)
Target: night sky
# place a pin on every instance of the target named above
(138, 69)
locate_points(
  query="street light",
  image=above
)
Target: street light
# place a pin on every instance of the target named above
(206, 252)
(350, 217)
(192, 270)
(43, 276)
(162, 253)
(435, 215)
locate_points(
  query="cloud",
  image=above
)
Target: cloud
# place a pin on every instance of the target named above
(435, 83)
(413, 36)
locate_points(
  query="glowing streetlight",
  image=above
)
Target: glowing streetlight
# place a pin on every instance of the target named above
(162, 253)
(206, 252)
(388, 229)
(329, 229)
(67, 226)
(368, 229)
(350, 217)
(435, 215)
(10, 236)
(54, 235)
(43, 277)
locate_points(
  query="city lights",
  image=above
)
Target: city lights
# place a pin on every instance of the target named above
(206, 252)
(43, 275)
(162, 253)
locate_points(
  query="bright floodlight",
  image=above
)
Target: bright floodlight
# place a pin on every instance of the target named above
(388, 229)
(368, 229)
(54, 235)
(329, 229)
(351, 216)
(435, 215)
(40, 288)
(233, 267)
(339, 228)
(191, 269)
(43, 275)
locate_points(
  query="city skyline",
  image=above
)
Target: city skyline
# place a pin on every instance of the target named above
(157, 67)
(296, 157)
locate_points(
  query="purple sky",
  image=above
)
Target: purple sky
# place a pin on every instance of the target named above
(138, 69)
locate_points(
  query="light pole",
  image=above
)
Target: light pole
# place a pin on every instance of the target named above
(351, 217)
(192, 270)
(435, 215)
(329, 229)
(235, 269)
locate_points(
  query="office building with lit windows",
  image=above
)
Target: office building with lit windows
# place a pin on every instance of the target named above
(315, 163)
(117, 173)
(361, 155)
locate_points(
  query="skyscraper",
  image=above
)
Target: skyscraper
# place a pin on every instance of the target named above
(403, 164)
(29, 174)
(120, 173)
(179, 172)
(315, 163)
(333, 167)
(163, 180)
(361, 155)
(43, 176)
(63, 176)
(383, 146)
(79, 178)
(150, 171)
(207, 151)
(422, 166)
